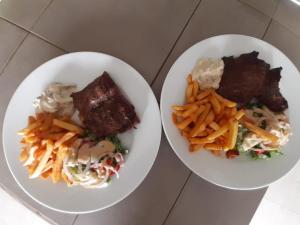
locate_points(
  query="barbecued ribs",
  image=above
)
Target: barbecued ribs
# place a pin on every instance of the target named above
(103, 108)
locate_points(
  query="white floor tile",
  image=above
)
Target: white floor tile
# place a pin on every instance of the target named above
(281, 203)
(267, 213)
(286, 192)
(274, 214)
(14, 213)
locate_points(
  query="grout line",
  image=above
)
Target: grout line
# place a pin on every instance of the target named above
(13, 54)
(276, 7)
(172, 207)
(287, 28)
(252, 7)
(42, 13)
(267, 29)
(74, 219)
(175, 43)
(33, 33)
(49, 42)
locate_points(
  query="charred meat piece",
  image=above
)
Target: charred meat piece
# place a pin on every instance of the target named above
(243, 77)
(103, 109)
(271, 96)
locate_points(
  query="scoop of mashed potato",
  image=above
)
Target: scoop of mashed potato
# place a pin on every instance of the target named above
(208, 73)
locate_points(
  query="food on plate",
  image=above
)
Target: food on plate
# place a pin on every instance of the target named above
(103, 108)
(247, 77)
(276, 126)
(91, 163)
(87, 154)
(237, 110)
(208, 72)
(44, 145)
(271, 95)
(56, 99)
(209, 121)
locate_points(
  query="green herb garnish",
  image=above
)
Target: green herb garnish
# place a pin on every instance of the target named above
(119, 147)
(254, 104)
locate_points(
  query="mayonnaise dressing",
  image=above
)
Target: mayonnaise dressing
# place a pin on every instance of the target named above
(56, 99)
(208, 73)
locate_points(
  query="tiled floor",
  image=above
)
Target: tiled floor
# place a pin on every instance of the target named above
(14, 213)
(149, 35)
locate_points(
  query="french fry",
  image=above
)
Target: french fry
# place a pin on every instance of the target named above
(31, 120)
(47, 122)
(46, 174)
(198, 141)
(181, 107)
(189, 91)
(48, 165)
(189, 111)
(189, 79)
(68, 126)
(185, 133)
(178, 113)
(199, 124)
(66, 179)
(204, 94)
(32, 167)
(51, 136)
(210, 117)
(215, 104)
(232, 136)
(202, 134)
(38, 153)
(260, 132)
(64, 138)
(55, 129)
(225, 101)
(195, 88)
(23, 155)
(214, 125)
(183, 124)
(218, 132)
(202, 102)
(32, 126)
(233, 111)
(57, 166)
(194, 148)
(31, 139)
(42, 163)
(196, 114)
(207, 120)
(239, 114)
(174, 118)
(212, 146)
(191, 99)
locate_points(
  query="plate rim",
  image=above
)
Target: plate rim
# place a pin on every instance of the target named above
(138, 183)
(164, 122)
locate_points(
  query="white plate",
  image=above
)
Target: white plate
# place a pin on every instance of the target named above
(240, 173)
(82, 68)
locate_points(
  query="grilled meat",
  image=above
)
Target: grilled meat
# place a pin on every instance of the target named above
(271, 96)
(103, 108)
(247, 77)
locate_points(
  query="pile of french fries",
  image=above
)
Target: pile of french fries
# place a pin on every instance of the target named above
(46, 141)
(207, 120)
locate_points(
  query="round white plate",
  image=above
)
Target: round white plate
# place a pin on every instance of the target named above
(143, 143)
(242, 172)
